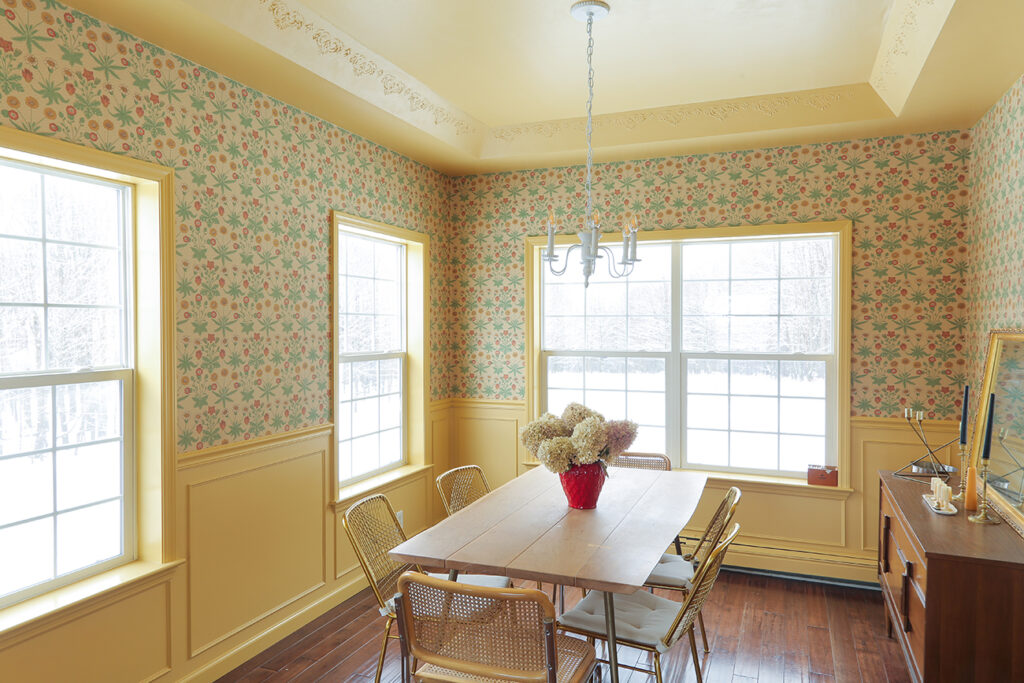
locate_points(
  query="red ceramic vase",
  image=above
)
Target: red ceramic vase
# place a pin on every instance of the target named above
(582, 485)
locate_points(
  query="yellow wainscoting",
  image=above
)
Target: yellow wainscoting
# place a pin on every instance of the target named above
(813, 530)
(124, 639)
(262, 553)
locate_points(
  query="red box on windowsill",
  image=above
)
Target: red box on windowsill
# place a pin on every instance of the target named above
(823, 475)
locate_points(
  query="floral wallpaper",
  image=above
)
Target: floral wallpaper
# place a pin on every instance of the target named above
(995, 292)
(255, 182)
(256, 179)
(907, 197)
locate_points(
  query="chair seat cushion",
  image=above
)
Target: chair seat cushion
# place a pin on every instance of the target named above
(673, 571)
(576, 658)
(641, 618)
(486, 580)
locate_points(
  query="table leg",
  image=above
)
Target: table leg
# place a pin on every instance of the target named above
(613, 647)
(453, 574)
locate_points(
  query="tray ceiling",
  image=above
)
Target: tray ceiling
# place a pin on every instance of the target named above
(468, 86)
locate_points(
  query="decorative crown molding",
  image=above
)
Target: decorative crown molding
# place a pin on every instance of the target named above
(330, 41)
(721, 111)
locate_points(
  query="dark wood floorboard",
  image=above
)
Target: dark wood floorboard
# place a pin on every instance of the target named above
(759, 629)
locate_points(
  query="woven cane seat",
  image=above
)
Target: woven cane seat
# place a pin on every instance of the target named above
(575, 658)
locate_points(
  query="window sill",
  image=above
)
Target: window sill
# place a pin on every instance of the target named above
(66, 603)
(759, 482)
(348, 494)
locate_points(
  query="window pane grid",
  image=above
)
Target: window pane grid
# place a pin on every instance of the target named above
(737, 301)
(63, 446)
(370, 304)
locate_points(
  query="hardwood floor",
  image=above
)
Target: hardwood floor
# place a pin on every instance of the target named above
(760, 629)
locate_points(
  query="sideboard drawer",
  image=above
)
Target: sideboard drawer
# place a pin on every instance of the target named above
(899, 541)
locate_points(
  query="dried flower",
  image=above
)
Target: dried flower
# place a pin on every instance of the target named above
(620, 434)
(547, 426)
(590, 439)
(557, 454)
(575, 413)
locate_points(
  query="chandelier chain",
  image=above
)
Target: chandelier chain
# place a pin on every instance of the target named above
(588, 217)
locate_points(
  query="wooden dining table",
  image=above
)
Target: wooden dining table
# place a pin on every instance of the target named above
(526, 530)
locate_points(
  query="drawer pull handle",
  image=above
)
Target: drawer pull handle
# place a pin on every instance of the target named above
(886, 526)
(907, 574)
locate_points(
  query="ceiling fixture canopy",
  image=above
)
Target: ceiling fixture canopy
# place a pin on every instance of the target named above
(590, 232)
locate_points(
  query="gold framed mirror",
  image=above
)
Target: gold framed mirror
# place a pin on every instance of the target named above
(1004, 377)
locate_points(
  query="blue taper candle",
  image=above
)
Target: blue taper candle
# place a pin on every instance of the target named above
(963, 414)
(985, 452)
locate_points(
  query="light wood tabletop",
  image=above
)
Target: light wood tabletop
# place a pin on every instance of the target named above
(526, 530)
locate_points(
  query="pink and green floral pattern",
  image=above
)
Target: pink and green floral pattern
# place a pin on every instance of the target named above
(995, 292)
(907, 197)
(255, 182)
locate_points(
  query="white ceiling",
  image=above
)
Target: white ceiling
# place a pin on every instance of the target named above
(513, 62)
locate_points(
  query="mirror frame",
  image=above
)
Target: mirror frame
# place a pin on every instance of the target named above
(1010, 513)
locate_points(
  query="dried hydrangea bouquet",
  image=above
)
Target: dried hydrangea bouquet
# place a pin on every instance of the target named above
(578, 447)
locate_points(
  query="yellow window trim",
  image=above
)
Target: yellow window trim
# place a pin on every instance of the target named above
(535, 244)
(153, 288)
(417, 329)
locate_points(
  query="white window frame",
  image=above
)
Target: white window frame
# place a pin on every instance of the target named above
(356, 230)
(126, 374)
(837, 363)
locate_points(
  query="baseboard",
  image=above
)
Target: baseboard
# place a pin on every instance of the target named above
(845, 583)
(832, 566)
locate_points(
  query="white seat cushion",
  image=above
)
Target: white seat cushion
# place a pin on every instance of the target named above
(641, 617)
(486, 580)
(672, 570)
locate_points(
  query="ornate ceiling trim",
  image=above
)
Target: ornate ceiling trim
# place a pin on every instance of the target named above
(330, 41)
(770, 111)
(909, 35)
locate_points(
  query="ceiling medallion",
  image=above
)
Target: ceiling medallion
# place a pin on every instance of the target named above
(590, 232)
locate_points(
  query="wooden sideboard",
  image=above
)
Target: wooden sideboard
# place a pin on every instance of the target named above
(954, 591)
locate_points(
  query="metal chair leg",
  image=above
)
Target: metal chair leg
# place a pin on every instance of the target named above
(383, 648)
(693, 652)
(679, 547)
(657, 666)
(703, 630)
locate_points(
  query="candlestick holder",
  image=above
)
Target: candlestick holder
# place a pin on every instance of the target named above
(982, 516)
(927, 466)
(964, 453)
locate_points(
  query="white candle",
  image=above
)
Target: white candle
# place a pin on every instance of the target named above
(632, 244)
(625, 247)
(551, 237)
(936, 483)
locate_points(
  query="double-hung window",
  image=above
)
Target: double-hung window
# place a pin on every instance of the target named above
(372, 361)
(726, 350)
(67, 380)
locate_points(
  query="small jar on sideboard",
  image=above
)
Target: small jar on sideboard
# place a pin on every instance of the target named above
(953, 590)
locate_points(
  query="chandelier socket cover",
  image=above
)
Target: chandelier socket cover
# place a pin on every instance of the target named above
(596, 8)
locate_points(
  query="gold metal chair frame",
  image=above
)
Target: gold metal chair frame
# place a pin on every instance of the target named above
(703, 582)
(348, 520)
(461, 486)
(712, 533)
(459, 656)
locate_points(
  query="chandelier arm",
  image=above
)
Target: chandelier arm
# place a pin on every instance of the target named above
(559, 273)
(613, 271)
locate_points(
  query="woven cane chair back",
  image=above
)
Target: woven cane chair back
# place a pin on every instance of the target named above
(703, 582)
(719, 521)
(496, 633)
(461, 486)
(643, 461)
(374, 530)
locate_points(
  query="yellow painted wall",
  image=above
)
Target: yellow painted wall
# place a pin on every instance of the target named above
(266, 552)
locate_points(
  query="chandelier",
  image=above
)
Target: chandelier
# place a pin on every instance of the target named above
(590, 232)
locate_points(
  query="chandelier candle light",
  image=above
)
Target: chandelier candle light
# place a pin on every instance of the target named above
(590, 234)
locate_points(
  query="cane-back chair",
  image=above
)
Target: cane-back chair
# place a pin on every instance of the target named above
(650, 622)
(373, 529)
(454, 631)
(461, 486)
(676, 572)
